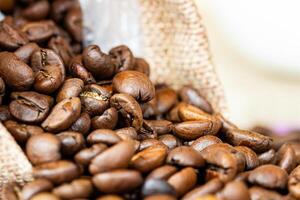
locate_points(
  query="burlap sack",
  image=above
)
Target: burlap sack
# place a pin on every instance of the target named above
(174, 43)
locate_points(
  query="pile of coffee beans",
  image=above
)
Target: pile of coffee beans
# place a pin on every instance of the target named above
(94, 126)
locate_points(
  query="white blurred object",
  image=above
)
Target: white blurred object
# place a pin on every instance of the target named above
(1, 16)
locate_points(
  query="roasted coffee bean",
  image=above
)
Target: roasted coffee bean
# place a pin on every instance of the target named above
(15, 73)
(71, 88)
(110, 197)
(108, 120)
(142, 66)
(95, 99)
(44, 57)
(85, 156)
(294, 182)
(59, 9)
(157, 186)
(7, 5)
(149, 159)
(78, 188)
(105, 136)
(186, 157)
(160, 197)
(150, 108)
(149, 143)
(202, 142)
(258, 193)
(250, 156)
(267, 157)
(62, 48)
(269, 176)
(164, 172)
(11, 38)
(35, 187)
(129, 109)
(4, 113)
(39, 31)
(97, 62)
(2, 90)
(37, 10)
(226, 124)
(57, 172)
(159, 126)
(183, 181)
(166, 99)
(117, 181)
(127, 133)
(234, 190)
(296, 147)
(71, 142)
(45, 196)
(73, 22)
(173, 115)
(286, 158)
(77, 70)
(24, 52)
(43, 148)
(30, 107)
(116, 157)
(123, 57)
(169, 140)
(210, 187)
(255, 141)
(63, 115)
(135, 84)
(82, 124)
(191, 96)
(22, 132)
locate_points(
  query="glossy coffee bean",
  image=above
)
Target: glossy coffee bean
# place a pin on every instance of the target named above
(63, 115)
(142, 66)
(257, 193)
(159, 126)
(35, 187)
(77, 70)
(43, 148)
(108, 120)
(39, 31)
(127, 133)
(24, 52)
(294, 183)
(170, 141)
(15, 73)
(160, 197)
(110, 197)
(250, 156)
(202, 142)
(11, 38)
(123, 58)
(57, 172)
(234, 190)
(85, 155)
(45, 196)
(129, 109)
(269, 176)
(105, 136)
(71, 88)
(37, 10)
(267, 157)
(157, 186)
(82, 124)
(286, 158)
(30, 107)
(62, 48)
(59, 9)
(166, 98)
(117, 181)
(115, 157)
(164, 172)
(73, 23)
(134, 83)
(71, 142)
(150, 108)
(149, 143)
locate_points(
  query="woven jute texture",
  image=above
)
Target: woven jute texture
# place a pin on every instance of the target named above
(176, 46)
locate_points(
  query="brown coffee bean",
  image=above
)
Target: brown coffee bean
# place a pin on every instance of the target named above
(85, 156)
(123, 57)
(24, 52)
(73, 23)
(150, 108)
(118, 181)
(172, 115)
(255, 141)
(294, 182)
(7, 5)
(185, 156)
(191, 96)
(59, 9)
(108, 120)
(159, 126)
(267, 157)
(62, 48)
(35, 187)
(250, 156)
(129, 109)
(134, 83)
(63, 115)
(156, 186)
(37, 10)
(166, 99)
(258, 193)
(30, 107)
(2, 90)
(77, 70)
(296, 147)
(226, 124)
(22, 132)
(286, 158)
(77, 189)
(202, 142)
(4, 113)
(160, 197)
(110, 197)
(269, 176)
(210, 187)
(45, 196)
(164, 172)
(105, 136)
(116, 157)
(39, 31)
(95, 99)
(43, 148)
(11, 38)
(127, 133)
(149, 159)
(71, 88)
(234, 190)
(44, 57)
(148, 143)
(57, 172)
(170, 141)
(82, 124)
(71, 142)
(16, 74)
(183, 181)
(142, 66)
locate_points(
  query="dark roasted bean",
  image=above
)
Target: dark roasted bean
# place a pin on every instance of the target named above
(294, 182)
(205, 141)
(60, 46)
(267, 157)
(71, 88)
(108, 120)
(169, 140)
(85, 156)
(141, 65)
(37, 10)
(71, 142)
(250, 156)
(24, 52)
(77, 70)
(82, 124)
(123, 58)
(286, 158)
(11, 38)
(39, 31)
(35, 187)
(105, 136)
(163, 172)
(157, 186)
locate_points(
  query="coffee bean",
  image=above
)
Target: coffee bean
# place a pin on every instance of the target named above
(134, 83)
(108, 120)
(62, 48)
(296, 147)
(164, 172)
(129, 109)
(45, 196)
(250, 156)
(24, 52)
(294, 183)
(43, 148)
(105, 136)
(57, 172)
(159, 126)
(82, 124)
(11, 38)
(71, 88)
(63, 115)
(37, 10)
(35, 187)
(78, 188)
(157, 186)
(149, 143)
(142, 66)
(85, 156)
(117, 181)
(269, 176)
(4, 113)
(77, 70)
(160, 197)
(257, 193)
(234, 190)
(226, 124)
(170, 141)
(266, 157)
(150, 108)
(73, 23)
(202, 142)
(110, 197)
(59, 9)
(286, 158)
(39, 31)
(166, 99)
(71, 142)
(123, 57)
(115, 157)
(127, 133)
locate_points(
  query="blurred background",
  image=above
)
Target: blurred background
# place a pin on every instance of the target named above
(255, 46)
